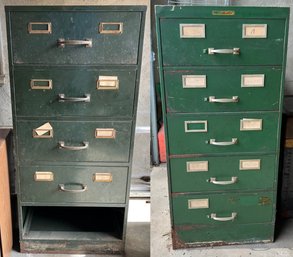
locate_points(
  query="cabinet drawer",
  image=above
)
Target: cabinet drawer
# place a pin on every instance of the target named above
(236, 208)
(224, 133)
(218, 235)
(107, 141)
(255, 172)
(223, 89)
(44, 36)
(39, 92)
(186, 41)
(73, 184)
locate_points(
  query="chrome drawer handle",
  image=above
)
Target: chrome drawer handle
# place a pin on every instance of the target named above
(61, 42)
(231, 218)
(86, 99)
(214, 181)
(214, 142)
(73, 148)
(62, 187)
(213, 99)
(234, 51)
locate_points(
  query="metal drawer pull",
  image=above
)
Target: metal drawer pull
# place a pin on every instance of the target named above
(214, 142)
(62, 187)
(62, 145)
(61, 42)
(86, 99)
(213, 99)
(234, 51)
(231, 218)
(214, 181)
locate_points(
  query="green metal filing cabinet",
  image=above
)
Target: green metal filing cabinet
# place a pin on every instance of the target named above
(222, 77)
(74, 79)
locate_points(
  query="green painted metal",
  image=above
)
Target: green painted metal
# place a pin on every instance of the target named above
(224, 82)
(191, 51)
(222, 128)
(74, 134)
(249, 208)
(191, 120)
(218, 167)
(74, 178)
(74, 70)
(121, 48)
(74, 82)
(218, 235)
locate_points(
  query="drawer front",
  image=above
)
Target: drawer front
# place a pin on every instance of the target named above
(54, 92)
(222, 234)
(73, 141)
(261, 44)
(81, 37)
(225, 89)
(255, 172)
(224, 133)
(72, 184)
(236, 208)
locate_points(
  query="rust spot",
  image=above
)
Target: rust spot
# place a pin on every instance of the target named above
(265, 200)
(177, 243)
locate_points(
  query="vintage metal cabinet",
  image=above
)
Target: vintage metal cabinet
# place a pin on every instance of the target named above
(74, 81)
(222, 78)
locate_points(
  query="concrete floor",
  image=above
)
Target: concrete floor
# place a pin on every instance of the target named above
(161, 245)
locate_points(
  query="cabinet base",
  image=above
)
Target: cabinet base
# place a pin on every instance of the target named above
(205, 236)
(71, 247)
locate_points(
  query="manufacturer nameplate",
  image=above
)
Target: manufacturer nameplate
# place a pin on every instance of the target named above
(250, 124)
(192, 31)
(249, 164)
(254, 31)
(223, 13)
(198, 203)
(44, 176)
(197, 166)
(194, 81)
(252, 80)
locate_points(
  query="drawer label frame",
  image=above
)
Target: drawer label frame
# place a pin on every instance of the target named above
(34, 85)
(105, 133)
(108, 83)
(117, 31)
(31, 30)
(197, 166)
(251, 164)
(44, 131)
(252, 80)
(189, 30)
(102, 177)
(198, 203)
(43, 176)
(194, 81)
(187, 122)
(251, 124)
(254, 30)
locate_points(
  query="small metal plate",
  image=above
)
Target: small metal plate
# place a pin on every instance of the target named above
(250, 124)
(40, 28)
(202, 126)
(44, 176)
(113, 28)
(253, 164)
(105, 133)
(192, 31)
(197, 166)
(194, 81)
(254, 31)
(252, 80)
(198, 203)
(103, 177)
(108, 83)
(43, 84)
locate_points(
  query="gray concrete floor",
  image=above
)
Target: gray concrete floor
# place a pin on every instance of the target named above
(161, 245)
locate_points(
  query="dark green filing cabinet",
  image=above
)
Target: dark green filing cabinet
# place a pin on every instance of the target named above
(74, 74)
(222, 75)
